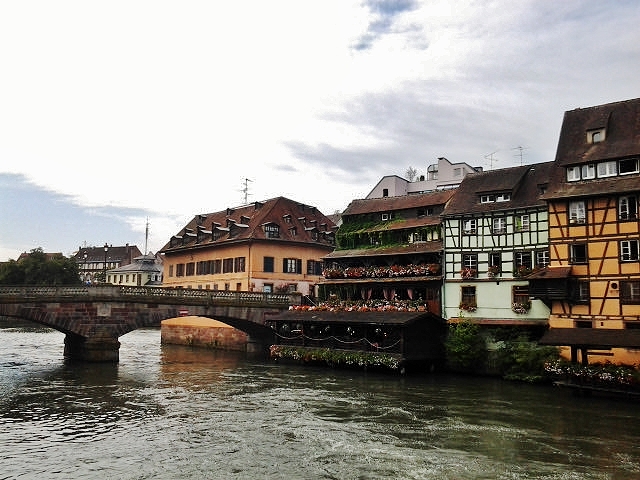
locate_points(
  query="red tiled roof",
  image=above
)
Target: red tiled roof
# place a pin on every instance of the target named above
(247, 222)
(416, 247)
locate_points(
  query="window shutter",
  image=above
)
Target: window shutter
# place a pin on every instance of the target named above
(299, 265)
(284, 265)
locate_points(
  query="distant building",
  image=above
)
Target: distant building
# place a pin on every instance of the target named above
(440, 176)
(145, 271)
(276, 245)
(93, 262)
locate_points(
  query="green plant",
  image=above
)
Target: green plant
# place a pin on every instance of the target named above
(465, 347)
(525, 360)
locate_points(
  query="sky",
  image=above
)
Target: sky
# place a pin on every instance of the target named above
(122, 114)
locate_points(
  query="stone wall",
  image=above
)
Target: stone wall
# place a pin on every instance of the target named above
(202, 332)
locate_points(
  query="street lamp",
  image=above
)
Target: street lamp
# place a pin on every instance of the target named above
(106, 249)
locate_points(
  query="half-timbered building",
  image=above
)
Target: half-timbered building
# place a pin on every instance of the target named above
(495, 234)
(593, 281)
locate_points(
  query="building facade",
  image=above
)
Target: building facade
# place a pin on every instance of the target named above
(389, 249)
(593, 281)
(495, 234)
(276, 245)
(144, 271)
(94, 262)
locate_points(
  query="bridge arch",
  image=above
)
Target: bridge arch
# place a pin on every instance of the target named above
(93, 320)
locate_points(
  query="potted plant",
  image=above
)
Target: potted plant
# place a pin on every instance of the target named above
(493, 271)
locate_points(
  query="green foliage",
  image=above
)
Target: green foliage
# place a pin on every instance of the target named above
(466, 348)
(525, 360)
(37, 269)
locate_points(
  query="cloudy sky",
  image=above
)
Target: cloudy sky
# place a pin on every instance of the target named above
(112, 113)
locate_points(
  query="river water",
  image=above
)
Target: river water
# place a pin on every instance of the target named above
(170, 412)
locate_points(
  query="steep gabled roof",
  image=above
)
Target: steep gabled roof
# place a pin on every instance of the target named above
(390, 204)
(297, 222)
(524, 183)
(621, 121)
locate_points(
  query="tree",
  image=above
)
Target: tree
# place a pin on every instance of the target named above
(465, 346)
(37, 269)
(411, 173)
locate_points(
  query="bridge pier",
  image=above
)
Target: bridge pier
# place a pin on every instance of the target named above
(98, 348)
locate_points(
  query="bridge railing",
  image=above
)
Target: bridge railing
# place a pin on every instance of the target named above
(14, 294)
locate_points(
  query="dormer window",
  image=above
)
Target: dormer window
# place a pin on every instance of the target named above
(272, 230)
(286, 218)
(500, 197)
(596, 136)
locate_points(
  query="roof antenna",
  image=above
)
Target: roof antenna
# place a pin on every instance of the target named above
(520, 148)
(245, 190)
(491, 159)
(146, 237)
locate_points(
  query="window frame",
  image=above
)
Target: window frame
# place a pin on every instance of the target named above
(629, 250)
(630, 292)
(473, 226)
(468, 295)
(501, 228)
(577, 212)
(520, 222)
(627, 162)
(628, 203)
(574, 259)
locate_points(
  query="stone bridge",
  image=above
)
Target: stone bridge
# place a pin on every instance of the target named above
(94, 317)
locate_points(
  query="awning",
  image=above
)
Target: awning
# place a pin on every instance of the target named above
(592, 337)
(550, 273)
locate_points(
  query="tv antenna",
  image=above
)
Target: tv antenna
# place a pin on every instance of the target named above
(245, 190)
(519, 154)
(489, 157)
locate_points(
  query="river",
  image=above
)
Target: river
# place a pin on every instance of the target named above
(170, 412)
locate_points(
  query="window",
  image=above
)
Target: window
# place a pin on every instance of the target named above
(292, 265)
(180, 270)
(628, 165)
(522, 223)
(628, 250)
(628, 207)
(495, 260)
(578, 253)
(542, 258)
(171, 270)
(469, 226)
(499, 225)
(607, 169)
(314, 235)
(470, 260)
(595, 136)
(425, 211)
(272, 230)
(385, 217)
(314, 267)
(217, 266)
(487, 198)
(520, 294)
(267, 264)
(217, 234)
(523, 259)
(468, 296)
(504, 197)
(385, 192)
(588, 171)
(239, 264)
(580, 291)
(191, 269)
(573, 174)
(227, 266)
(630, 292)
(577, 212)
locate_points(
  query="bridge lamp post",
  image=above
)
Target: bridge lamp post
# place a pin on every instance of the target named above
(106, 249)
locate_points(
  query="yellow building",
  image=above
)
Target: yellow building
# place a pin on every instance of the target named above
(272, 246)
(593, 281)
